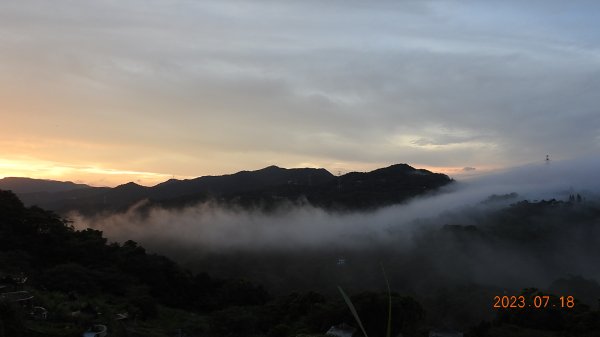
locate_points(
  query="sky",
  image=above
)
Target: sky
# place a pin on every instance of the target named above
(105, 92)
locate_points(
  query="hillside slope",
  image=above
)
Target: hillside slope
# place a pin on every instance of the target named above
(269, 186)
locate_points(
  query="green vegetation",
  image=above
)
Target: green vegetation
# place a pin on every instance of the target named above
(82, 279)
(350, 305)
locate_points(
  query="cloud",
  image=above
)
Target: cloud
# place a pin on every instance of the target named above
(187, 80)
(294, 225)
(410, 239)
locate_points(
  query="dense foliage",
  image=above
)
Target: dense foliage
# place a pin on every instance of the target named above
(82, 279)
(66, 265)
(57, 257)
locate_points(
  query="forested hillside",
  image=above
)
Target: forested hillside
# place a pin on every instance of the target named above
(58, 281)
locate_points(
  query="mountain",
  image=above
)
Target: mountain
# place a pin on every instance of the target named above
(267, 187)
(28, 185)
(351, 191)
(240, 182)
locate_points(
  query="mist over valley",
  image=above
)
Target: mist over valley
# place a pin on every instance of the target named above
(491, 234)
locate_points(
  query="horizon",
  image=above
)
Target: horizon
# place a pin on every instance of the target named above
(458, 173)
(105, 93)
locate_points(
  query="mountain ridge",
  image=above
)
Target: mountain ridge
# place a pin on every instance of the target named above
(269, 185)
(33, 185)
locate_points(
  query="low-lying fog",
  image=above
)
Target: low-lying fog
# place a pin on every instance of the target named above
(300, 246)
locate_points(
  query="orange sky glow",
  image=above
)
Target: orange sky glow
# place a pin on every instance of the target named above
(101, 176)
(107, 92)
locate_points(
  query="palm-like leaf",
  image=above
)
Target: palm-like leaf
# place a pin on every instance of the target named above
(353, 310)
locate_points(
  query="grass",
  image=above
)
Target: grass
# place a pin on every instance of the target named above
(355, 313)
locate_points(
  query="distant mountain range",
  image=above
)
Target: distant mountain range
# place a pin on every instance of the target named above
(265, 188)
(29, 185)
